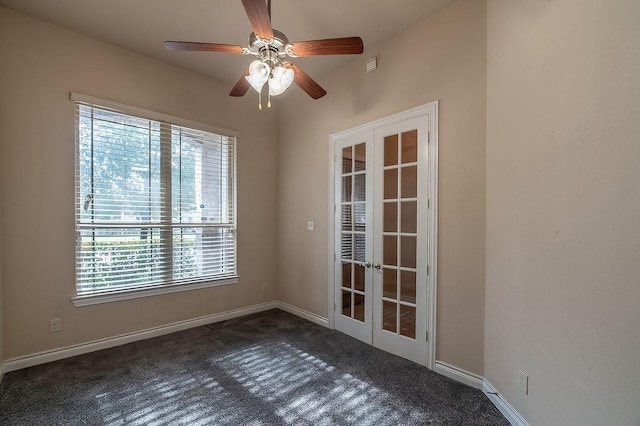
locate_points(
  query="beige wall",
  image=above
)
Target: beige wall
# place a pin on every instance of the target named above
(563, 209)
(41, 63)
(443, 58)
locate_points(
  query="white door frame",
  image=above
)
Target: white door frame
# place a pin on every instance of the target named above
(430, 113)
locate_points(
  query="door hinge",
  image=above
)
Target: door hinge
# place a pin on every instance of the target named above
(428, 203)
(334, 208)
(427, 269)
(426, 336)
(334, 306)
(334, 257)
(428, 136)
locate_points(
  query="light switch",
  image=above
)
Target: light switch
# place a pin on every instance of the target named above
(372, 64)
(311, 225)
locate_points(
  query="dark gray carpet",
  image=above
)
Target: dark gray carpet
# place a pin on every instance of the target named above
(270, 368)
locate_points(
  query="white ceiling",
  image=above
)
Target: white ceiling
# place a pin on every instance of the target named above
(143, 25)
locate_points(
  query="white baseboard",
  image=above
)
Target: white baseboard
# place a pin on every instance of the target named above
(483, 384)
(459, 375)
(503, 405)
(317, 319)
(57, 354)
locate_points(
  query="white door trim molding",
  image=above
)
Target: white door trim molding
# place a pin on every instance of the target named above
(430, 113)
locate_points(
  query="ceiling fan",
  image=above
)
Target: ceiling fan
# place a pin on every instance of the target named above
(271, 49)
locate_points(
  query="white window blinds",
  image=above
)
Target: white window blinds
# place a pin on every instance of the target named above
(155, 202)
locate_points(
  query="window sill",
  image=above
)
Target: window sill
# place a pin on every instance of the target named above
(146, 292)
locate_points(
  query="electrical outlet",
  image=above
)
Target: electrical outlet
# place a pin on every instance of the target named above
(523, 382)
(55, 325)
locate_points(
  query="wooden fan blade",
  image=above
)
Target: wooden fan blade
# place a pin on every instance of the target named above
(306, 83)
(329, 46)
(202, 47)
(241, 86)
(259, 18)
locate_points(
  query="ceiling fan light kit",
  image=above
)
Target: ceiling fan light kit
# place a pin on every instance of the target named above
(271, 48)
(258, 74)
(281, 80)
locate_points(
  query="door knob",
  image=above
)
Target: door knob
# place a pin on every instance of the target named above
(377, 266)
(367, 265)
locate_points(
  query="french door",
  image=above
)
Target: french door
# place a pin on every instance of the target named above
(381, 240)
(354, 179)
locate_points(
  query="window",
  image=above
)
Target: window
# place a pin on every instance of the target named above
(155, 202)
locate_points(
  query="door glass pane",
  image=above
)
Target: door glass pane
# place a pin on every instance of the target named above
(391, 184)
(389, 283)
(408, 252)
(360, 216)
(358, 277)
(347, 217)
(391, 150)
(410, 147)
(390, 217)
(389, 250)
(408, 286)
(408, 321)
(361, 157)
(409, 182)
(347, 246)
(346, 274)
(346, 160)
(358, 307)
(360, 187)
(360, 247)
(346, 303)
(389, 316)
(346, 189)
(409, 217)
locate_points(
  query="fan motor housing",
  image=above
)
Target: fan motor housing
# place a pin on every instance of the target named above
(269, 48)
